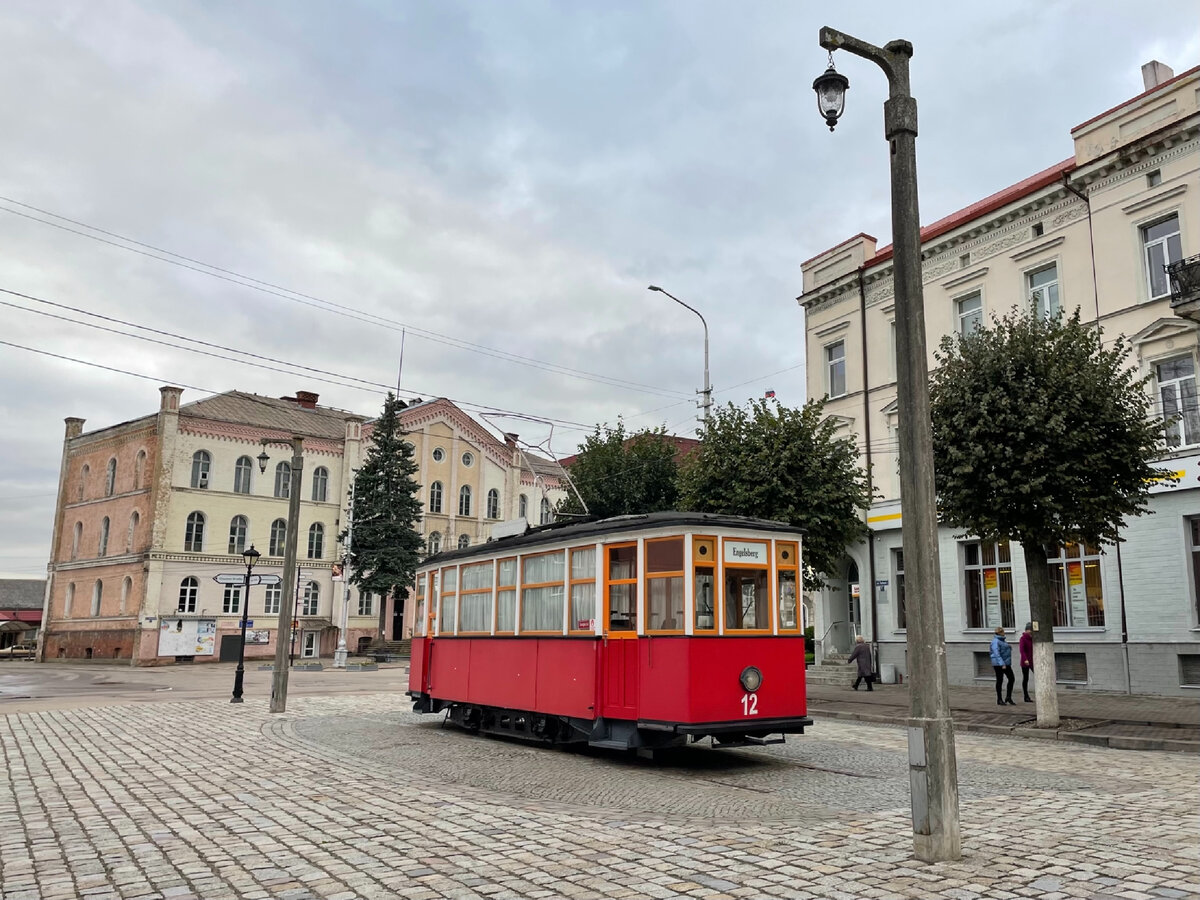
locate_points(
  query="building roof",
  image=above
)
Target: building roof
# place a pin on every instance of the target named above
(22, 593)
(273, 413)
(1141, 96)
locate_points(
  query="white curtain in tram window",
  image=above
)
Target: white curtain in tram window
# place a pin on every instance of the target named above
(450, 580)
(542, 608)
(622, 563)
(665, 603)
(508, 573)
(506, 609)
(476, 578)
(446, 620)
(541, 569)
(476, 611)
(583, 605)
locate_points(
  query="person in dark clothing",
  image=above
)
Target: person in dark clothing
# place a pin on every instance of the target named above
(1025, 644)
(1001, 655)
(861, 654)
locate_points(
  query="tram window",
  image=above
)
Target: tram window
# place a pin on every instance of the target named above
(706, 619)
(446, 618)
(583, 589)
(622, 588)
(542, 592)
(787, 561)
(420, 621)
(476, 594)
(746, 600)
(664, 584)
(506, 597)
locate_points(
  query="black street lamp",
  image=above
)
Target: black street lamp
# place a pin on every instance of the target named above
(251, 557)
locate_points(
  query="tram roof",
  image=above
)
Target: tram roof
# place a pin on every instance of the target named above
(567, 531)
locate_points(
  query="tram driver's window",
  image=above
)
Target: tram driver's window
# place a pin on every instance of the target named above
(787, 563)
(705, 583)
(622, 588)
(664, 584)
(747, 602)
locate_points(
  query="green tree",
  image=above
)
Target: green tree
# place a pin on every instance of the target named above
(1044, 436)
(386, 545)
(774, 462)
(621, 474)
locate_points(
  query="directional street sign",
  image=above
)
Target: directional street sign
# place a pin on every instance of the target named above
(235, 578)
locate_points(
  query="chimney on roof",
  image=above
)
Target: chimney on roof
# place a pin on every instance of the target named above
(304, 399)
(510, 439)
(1155, 73)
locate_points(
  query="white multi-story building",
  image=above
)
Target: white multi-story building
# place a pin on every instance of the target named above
(1092, 233)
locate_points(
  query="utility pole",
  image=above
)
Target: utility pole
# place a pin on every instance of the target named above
(339, 655)
(283, 632)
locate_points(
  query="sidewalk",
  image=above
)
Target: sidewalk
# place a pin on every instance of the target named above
(1120, 721)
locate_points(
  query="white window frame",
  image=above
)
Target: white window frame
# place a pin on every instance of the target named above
(193, 532)
(189, 593)
(1054, 284)
(243, 473)
(272, 599)
(231, 602)
(435, 497)
(316, 541)
(1163, 242)
(1176, 384)
(320, 485)
(832, 364)
(960, 317)
(310, 601)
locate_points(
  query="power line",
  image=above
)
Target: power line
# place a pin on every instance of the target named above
(293, 296)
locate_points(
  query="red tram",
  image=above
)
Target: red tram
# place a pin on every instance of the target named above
(635, 632)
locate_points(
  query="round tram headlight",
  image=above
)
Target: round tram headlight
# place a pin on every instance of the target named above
(751, 679)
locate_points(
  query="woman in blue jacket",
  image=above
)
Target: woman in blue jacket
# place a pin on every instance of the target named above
(1002, 663)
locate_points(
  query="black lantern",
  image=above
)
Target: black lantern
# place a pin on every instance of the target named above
(831, 90)
(263, 459)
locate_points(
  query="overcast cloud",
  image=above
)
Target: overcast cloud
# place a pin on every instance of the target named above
(509, 174)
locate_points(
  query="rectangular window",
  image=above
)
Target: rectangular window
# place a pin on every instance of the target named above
(272, 596)
(664, 584)
(1041, 286)
(506, 596)
(969, 310)
(747, 594)
(542, 592)
(835, 369)
(1177, 392)
(704, 552)
(787, 566)
(422, 604)
(1193, 526)
(898, 577)
(1070, 668)
(1189, 669)
(232, 602)
(1161, 245)
(622, 587)
(1075, 581)
(983, 665)
(894, 348)
(583, 589)
(476, 599)
(988, 575)
(366, 604)
(449, 599)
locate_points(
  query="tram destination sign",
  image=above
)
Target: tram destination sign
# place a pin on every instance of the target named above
(238, 578)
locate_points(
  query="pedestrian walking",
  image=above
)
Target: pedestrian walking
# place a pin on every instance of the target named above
(1002, 662)
(1025, 644)
(861, 654)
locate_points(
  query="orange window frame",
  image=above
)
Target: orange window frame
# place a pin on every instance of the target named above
(609, 582)
(421, 626)
(787, 559)
(655, 576)
(727, 566)
(708, 561)
(443, 595)
(515, 593)
(462, 592)
(533, 585)
(572, 625)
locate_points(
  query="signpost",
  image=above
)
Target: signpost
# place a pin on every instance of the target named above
(235, 578)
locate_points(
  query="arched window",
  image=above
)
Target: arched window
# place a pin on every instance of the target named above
(546, 515)
(83, 479)
(435, 497)
(97, 596)
(139, 470)
(283, 480)
(493, 504)
(463, 542)
(193, 535)
(316, 540)
(126, 587)
(237, 534)
(241, 475)
(188, 589)
(464, 501)
(278, 538)
(434, 541)
(110, 477)
(312, 599)
(320, 484)
(76, 537)
(102, 550)
(68, 600)
(201, 464)
(134, 519)
(523, 507)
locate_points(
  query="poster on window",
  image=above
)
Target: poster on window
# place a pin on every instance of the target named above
(1077, 591)
(258, 637)
(187, 637)
(991, 587)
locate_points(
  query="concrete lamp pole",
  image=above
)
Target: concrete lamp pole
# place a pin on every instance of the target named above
(251, 557)
(283, 632)
(933, 771)
(339, 655)
(706, 404)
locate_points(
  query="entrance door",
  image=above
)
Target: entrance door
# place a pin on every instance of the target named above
(309, 644)
(619, 652)
(854, 599)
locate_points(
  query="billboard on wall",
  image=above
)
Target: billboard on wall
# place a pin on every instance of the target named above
(187, 637)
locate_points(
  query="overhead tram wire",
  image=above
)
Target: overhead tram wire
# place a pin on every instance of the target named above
(315, 302)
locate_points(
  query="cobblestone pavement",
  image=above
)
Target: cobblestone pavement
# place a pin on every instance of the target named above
(353, 797)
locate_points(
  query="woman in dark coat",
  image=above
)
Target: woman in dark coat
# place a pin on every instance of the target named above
(861, 654)
(1026, 646)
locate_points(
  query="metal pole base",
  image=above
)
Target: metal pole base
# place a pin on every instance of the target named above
(339, 658)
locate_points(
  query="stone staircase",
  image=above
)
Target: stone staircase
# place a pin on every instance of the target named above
(390, 650)
(833, 670)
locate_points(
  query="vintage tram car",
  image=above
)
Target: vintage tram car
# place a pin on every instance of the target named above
(634, 632)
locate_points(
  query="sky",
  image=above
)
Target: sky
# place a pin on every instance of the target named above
(489, 185)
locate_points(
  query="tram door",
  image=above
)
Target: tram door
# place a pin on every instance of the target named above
(619, 654)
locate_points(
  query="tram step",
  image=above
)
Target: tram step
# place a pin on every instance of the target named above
(610, 745)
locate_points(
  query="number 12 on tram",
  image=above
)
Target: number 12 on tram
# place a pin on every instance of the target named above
(636, 632)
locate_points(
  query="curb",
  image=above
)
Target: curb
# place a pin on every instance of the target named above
(1115, 742)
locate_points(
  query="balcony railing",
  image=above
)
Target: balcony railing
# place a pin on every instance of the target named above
(1185, 287)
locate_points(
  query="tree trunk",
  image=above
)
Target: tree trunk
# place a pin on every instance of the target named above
(1041, 605)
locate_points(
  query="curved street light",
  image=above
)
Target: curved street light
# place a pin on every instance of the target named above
(706, 403)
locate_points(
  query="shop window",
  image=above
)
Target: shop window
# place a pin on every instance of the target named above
(506, 596)
(987, 571)
(542, 592)
(622, 587)
(476, 597)
(664, 584)
(1075, 582)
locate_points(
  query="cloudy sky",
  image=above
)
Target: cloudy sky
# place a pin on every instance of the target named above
(304, 180)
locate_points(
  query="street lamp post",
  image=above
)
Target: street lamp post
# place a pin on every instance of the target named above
(339, 655)
(706, 404)
(251, 557)
(933, 773)
(279, 679)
